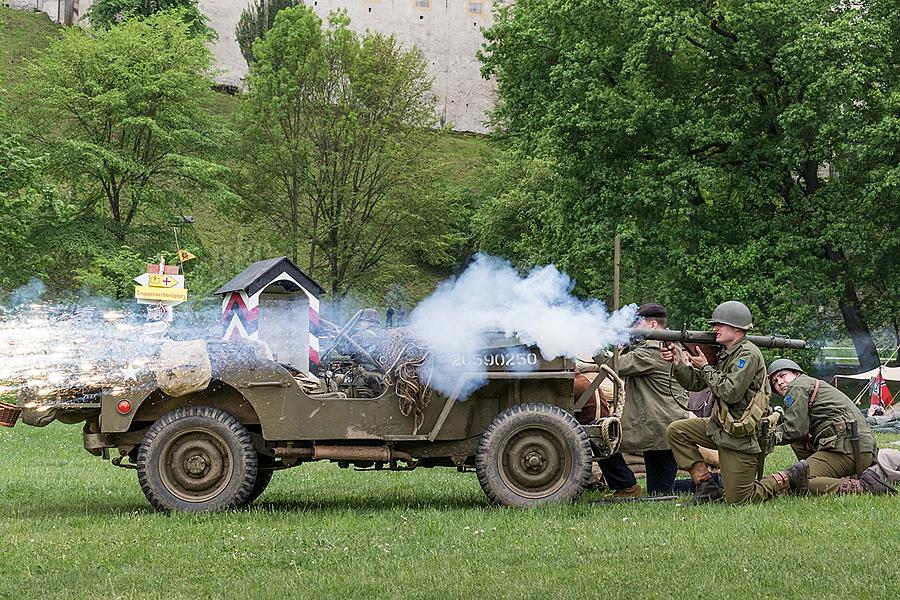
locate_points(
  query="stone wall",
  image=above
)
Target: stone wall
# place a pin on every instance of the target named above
(447, 31)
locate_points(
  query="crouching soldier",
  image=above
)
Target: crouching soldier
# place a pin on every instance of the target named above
(740, 392)
(827, 433)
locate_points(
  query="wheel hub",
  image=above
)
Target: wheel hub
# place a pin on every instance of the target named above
(196, 464)
(535, 461)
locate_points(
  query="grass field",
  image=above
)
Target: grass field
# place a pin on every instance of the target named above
(75, 526)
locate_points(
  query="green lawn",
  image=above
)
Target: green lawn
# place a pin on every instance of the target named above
(75, 526)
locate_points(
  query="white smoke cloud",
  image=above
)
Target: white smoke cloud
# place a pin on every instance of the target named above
(28, 293)
(538, 309)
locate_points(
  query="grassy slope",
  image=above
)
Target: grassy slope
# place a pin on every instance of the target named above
(22, 36)
(74, 526)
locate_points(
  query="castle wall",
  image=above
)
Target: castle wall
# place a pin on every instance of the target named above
(447, 31)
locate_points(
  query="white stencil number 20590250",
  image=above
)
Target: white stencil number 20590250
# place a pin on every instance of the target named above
(505, 359)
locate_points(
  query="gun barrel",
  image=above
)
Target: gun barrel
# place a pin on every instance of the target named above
(709, 338)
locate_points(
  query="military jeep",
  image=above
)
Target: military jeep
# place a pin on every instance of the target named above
(219, 447)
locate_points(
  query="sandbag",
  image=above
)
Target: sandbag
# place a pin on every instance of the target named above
(183, 368)
(887, 466)
(884, 424)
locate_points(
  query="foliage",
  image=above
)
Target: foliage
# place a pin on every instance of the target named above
(111, 275)
(107, 13)
(25, 200)
(121, 115)
(334, 125)
(742, 150)
(255, 20)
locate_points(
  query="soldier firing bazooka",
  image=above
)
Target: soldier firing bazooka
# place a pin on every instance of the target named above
(648, 411)
(829, 435)
(741, 394)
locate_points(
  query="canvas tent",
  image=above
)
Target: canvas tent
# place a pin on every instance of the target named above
(889, 373)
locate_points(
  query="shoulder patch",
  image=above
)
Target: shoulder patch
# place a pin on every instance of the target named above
(788, 400)
(741, 363)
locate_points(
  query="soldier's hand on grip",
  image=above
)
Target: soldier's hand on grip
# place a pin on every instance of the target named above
(698, 361)
(670, 353)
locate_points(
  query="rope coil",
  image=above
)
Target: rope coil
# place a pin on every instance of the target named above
(408, 368)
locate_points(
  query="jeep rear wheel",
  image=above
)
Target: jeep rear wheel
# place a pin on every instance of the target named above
(533, 454)
(197, 459)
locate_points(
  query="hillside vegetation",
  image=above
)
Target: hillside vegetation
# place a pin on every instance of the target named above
(224, 237)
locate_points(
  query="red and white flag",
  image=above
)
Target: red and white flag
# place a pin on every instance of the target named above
(881, 395)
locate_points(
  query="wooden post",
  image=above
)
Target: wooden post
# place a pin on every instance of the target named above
(617, 260)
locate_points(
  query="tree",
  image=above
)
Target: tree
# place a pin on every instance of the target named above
(743, 150)
(25, 199)
(335, 124)
(255, 21)
(107, 13)
(121, 115)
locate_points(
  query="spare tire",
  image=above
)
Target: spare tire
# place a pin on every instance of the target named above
(533, 454)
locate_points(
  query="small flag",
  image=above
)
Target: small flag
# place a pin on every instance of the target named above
(881, 395)
(184, 255)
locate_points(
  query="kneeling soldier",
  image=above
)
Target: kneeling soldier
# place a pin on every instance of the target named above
(827, 433)
(741, 396)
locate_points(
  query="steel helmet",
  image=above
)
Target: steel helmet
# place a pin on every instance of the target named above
(781, 364)
(732, 313)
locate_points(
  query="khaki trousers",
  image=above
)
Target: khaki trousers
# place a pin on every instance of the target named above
(738, 468)
(826, 470)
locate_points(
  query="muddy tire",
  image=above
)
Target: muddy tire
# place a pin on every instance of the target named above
(196, 459)
(263, 478)
(533, 454)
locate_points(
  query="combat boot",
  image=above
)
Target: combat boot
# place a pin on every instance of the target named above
(795, 478)
(707, 491)
(705, 488)
(868, 483)
(873, 484)
(635, 491)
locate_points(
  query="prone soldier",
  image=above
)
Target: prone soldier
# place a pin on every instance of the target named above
(741, 394)
(828, 434)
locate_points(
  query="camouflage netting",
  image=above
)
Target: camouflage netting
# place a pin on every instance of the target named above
(183, 368)
(407, 367)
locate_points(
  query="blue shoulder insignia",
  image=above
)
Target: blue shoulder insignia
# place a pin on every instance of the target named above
(741, 363)
(788, 400)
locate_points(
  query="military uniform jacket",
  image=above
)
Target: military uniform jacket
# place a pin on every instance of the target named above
(649, 407)
(826, 420)
(739, 373)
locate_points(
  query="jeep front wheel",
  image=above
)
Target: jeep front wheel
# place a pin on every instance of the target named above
(533, 454)
(197, 459)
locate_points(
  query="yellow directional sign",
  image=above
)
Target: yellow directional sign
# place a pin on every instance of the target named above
(144, 292)
(163, 281)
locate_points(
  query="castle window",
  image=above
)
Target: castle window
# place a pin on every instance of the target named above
(474, 8)
(423, 4)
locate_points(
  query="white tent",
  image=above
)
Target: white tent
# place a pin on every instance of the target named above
(889, 374)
